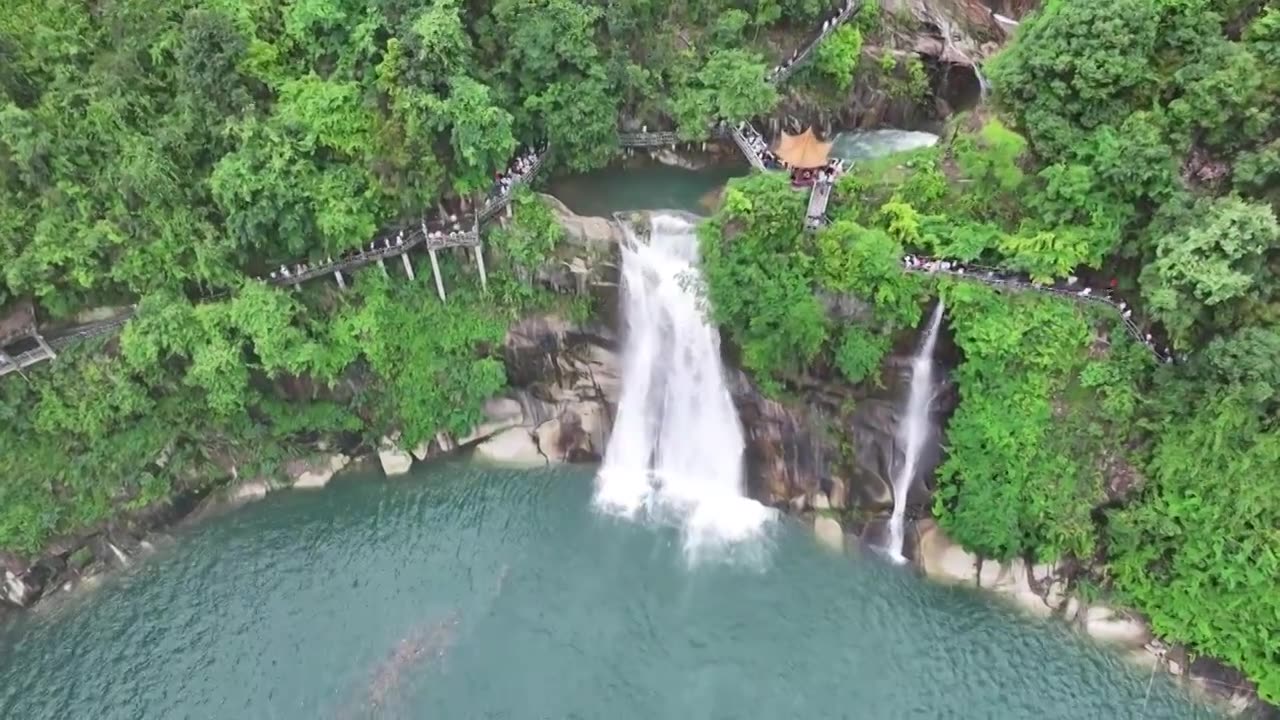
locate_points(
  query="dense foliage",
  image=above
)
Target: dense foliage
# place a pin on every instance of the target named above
(161, 152)
(1134, 144)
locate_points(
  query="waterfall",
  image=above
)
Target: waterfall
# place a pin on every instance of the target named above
(676, 449)
(913, 429)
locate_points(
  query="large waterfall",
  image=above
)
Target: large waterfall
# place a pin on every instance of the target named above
(913, 429)
(676, 448)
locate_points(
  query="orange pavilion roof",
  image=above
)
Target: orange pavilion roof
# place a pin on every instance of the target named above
(804, 150)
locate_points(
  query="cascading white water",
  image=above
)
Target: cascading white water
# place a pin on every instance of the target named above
(913, 429)
(677, 445)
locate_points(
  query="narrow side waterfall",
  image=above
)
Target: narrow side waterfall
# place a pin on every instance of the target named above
(913, 429)
(676, 449)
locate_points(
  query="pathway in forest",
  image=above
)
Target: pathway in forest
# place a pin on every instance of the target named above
(1070, 288)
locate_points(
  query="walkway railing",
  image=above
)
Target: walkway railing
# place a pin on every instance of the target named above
(91, 330)
(819, 196)
(783, 72)
(1000, 279)
(15, 363)
(648, 139)
(499, 200)
(740, 139)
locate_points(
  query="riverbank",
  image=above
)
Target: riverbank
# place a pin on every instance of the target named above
(565, 381)
(462, 589)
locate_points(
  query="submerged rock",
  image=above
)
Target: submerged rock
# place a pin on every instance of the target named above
(829, 532)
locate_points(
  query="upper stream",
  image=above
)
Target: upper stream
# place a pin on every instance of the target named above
(460, 592)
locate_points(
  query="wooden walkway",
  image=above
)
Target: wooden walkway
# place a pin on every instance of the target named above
(783, 72)
(16, 363)
(816, 215)
(665, 138)
(497, 200)
(398, 243)
(1002, 280)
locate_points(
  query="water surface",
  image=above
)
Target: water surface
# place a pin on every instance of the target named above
(461, 592)
(869, 144)
(643, 186)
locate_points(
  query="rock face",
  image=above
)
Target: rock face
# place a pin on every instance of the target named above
(595, 234)
(841, 442)
(567, 381)
(942, 559)
(311, 474)
(514, 446)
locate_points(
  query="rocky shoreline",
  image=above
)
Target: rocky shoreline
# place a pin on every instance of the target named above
(564, 385)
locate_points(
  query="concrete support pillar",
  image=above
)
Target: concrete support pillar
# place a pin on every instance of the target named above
(383, 265)
(510, 212)
(45, 346)
(484, 278)
(342, 282)
(435, 270)
(408, 266)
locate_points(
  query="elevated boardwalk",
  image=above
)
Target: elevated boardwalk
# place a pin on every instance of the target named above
(498, 200)
(783, 72)
(21, 344)
(743, 137)
(398, 243)
(21, 361)
(999, 279)
(648, 139)
(819, 196)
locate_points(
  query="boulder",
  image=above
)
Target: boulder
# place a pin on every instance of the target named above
(829, 532)
(942, 559)
(594, 233)
(514, 446)
(16, 590)
(820, 501)
(316, 473)
(500, 414)
(577, 435)
(249, 491)
(1111, 626)
(838, 495)
(394, 460)
(670, 157)
(442, 444)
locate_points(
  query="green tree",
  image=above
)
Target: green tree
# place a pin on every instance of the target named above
(1209, 273)
(730, 86)
(839, 54)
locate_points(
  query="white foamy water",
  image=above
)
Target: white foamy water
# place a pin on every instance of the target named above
(913, 429)
(868, 144)
(676, 450)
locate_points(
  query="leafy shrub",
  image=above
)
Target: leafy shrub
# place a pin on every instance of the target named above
(839, 54)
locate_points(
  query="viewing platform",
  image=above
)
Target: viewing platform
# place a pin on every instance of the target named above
(21, 344)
